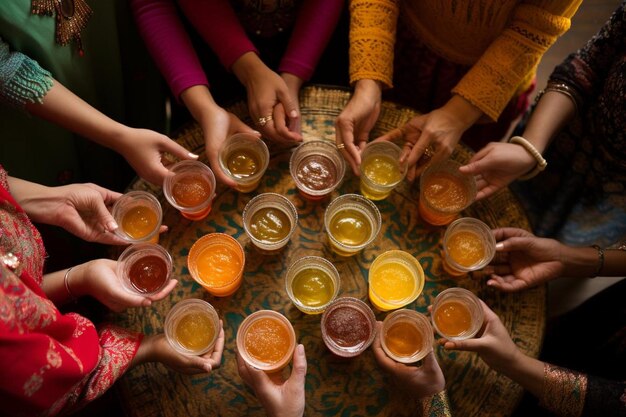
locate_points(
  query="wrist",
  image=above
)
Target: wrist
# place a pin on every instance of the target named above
(465, 112)
(579, 262)
(77, 282)
(247, 67)
(145, 352)
(294, 83)
(370, 88)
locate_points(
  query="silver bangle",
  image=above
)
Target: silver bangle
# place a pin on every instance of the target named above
(66, 281)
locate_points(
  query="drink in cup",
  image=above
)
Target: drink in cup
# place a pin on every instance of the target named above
(396, 279)
(406, 336)
(312, 283)
(266, 340)
(381, 170)
(192, 327)
(216, 262)
(139, 216)
(445, 192)
(190, 188)
(468, 245)
(348, 327)
(317, 167)
(352, 223)
(144, 268)
(457, 314)
(244, 158)
(270, 220)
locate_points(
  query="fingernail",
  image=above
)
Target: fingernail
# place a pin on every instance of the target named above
(499, 246)
(208, 367)
(111, 226)
(300, 349)
(193, 155)
(293, 113)
(256, 132)
(489, 283)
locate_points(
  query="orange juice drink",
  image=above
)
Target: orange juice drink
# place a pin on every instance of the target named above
(406, 336)
(445, 192)
(139, 216)
(192, 327)
(396, 279)
(244, 158)
(190, 188)
(457, 314)
(468, 245)
(266, 340)
(381, 170)
(216, 262)
(352, 223)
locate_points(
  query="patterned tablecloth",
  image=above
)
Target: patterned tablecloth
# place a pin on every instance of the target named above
(334, 386)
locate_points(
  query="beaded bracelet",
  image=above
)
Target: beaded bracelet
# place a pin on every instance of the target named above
(530, 148)
(600, 260)
(66, 281)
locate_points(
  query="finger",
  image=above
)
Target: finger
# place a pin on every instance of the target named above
(164, 292)
(179, 151)
(469, 345)
(486, 192)
(381, 357)
(219, 174)
(288, 103)
(216, 356)
(298, 371)
(476, 165)
(507, 283)
(391, 136)
(109, 196)
(344, 135)
(429, 363)
(280, 124)
(163, 229)
(504, 233)
(513, 244)
(243, 370)
(105, 220)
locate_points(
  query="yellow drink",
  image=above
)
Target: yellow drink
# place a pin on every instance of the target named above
(313, 287)
(404, 339)
(194, 331)
(269, 224)
(139, 222)
(243, 163)
(466, 248)
(391, 283)
(382, 170)
(350, 227)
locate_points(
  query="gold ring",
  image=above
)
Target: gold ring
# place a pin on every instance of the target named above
(262, 121)
(341, 146)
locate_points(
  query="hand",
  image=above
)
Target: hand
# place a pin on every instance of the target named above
(353, 126)
(99, 279)
(217, 125)
(497, 165)
(157, 349)
(529, 260)
(144, 150)
(279, 397)
(423, 381)
(494, 345)
(81, 209)
(266, 89)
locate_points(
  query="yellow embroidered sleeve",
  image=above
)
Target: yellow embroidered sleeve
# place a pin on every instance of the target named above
(372, 38)
(435, 406)
(511, 60)
(563, 391)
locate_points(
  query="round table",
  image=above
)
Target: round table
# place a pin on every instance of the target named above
(334, 386)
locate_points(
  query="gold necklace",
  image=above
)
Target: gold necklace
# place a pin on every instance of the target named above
(71, 18)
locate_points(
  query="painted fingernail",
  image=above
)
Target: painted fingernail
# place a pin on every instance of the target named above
(293, 113)
(499, 246)
(193, 155)
(111, 226)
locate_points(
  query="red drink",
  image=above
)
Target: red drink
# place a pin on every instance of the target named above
(148, 274)
(316, 172)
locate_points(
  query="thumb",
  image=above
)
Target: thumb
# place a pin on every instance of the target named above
(105, 219)
(513, 244)
(290, 107)
(298, 372)
(470, 345)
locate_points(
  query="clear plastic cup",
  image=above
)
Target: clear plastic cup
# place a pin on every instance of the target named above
(406, 336)
(266, 340)
(468, 245)
(395, 279)
(457, 314)
(270, 220)
(445, 192)
(144, 268)
(317, 168)
(192, 327)
(352, 222)
(348, 327)
(381, 170)
(312, 283)
(139, 216)
(190, 188)
(216, 261)
(244, 158)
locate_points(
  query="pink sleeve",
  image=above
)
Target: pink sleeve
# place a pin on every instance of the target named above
(168, 43)
(217, 23)
(316, 22)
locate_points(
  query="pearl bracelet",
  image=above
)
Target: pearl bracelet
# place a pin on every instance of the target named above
(530, 148)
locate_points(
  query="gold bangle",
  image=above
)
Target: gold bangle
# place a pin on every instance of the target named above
(66, 281)
(530, 148)
(561, 87)
(600, 260)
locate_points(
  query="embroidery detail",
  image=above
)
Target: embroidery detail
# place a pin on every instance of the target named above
(71, 18)
(563, 391)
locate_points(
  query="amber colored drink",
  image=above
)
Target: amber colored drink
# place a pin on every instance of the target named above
(148, 274)
(453, 318)
(139, 221)
(267, 340)
(243, 163)
(216, 262)
(443, 197)
(403, 339)
(192, 190)
(194, 331)
(269, 224)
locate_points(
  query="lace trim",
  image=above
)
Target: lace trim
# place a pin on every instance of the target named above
(563, 391)
(372, 40)
(22, 80)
